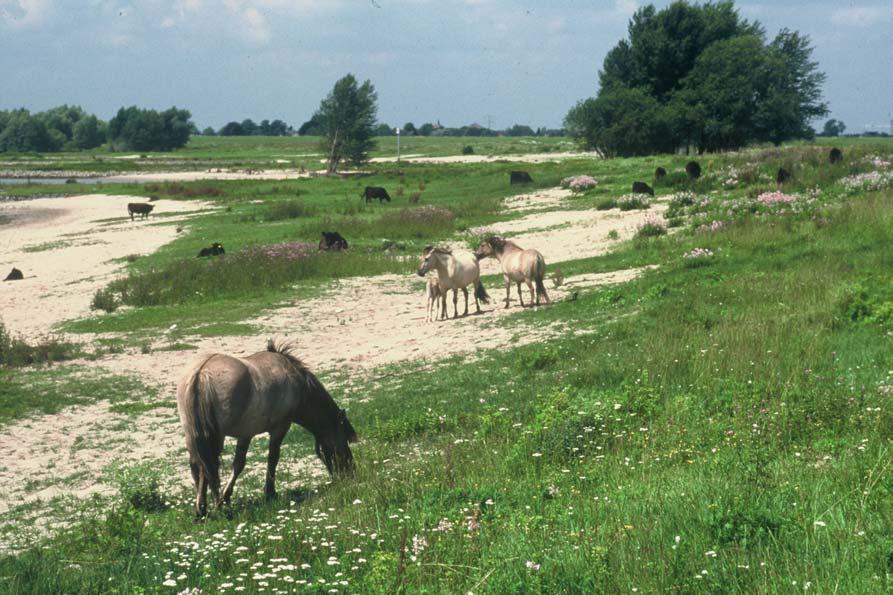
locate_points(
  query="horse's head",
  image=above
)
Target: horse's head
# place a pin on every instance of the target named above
(430, 255)
(333, 446)
(491, 246)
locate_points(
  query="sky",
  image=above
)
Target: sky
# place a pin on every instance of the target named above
(492, 62)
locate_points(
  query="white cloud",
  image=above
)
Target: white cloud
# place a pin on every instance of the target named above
(626, 7)
(859, 16)
(251, 24)
(22, 14)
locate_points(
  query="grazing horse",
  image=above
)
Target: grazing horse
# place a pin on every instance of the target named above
(518, 265)
(435, 297)
(241, 397)
(454, 271)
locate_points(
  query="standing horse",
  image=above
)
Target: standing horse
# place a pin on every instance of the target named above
(454, 271)
(518, 265)
(434, 296)
(241, 397)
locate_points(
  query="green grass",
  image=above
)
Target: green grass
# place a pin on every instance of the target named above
(47, 391)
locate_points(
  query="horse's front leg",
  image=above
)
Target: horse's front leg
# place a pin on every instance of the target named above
(238, 467)
(455, 303)
(465, 293)
(276, 436)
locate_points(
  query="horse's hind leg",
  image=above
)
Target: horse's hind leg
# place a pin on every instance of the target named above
(276, 436)
(238, 467)
(465, 293)
(533, 298)
(520, 297)
(455, 303)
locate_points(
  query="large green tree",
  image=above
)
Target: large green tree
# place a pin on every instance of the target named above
(346, 119)
(138, 129)
(699, 75)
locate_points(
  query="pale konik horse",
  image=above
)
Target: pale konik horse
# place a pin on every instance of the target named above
(223, 396)
(454, 271)
(518, 266)
(434, 297)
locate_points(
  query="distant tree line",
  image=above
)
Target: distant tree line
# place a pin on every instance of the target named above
(61, 128)
(248, 127)
(699, 76)
(312, 128)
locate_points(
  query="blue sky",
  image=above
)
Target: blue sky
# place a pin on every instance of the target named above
(457, 61)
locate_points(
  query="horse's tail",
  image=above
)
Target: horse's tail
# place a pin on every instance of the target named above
(203, 437)
(540, 274)
(480, 293)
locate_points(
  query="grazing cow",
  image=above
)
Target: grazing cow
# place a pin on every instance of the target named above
(693, 170)
(782, 176)
(142, 208)
(519, 177)
(216, 249)
(660, 173)
(642, 188)
(332, 240)
(836, 156)
(14, 275)
(373, 192)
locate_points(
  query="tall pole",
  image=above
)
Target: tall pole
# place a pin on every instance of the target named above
(398, 145)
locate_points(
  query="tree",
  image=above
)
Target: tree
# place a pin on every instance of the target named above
(520, 130)
(208, 131)
(249, 128)
(347, 119)
(23, 132)
(147, 130)
(278, 128)
(619, 122)
(88, 133)
(384, 130)
(312, 127)
(232, 129)
(408, 129)
(833, 128)
(426, 129)
(717, 84)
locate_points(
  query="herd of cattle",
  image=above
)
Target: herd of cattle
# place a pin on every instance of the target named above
(333, 241)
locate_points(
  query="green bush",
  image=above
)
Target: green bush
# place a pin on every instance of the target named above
(17, 352)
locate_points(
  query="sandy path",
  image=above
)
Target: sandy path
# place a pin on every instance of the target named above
(213, 174)
(523, 158)
(66, 252)
(357, 326)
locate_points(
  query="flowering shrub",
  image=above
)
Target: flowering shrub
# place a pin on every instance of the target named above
(867, 182)
(713, 226)
(775, 198)
(287, 251)
(698, 257)
(877, 161)
(579, 183)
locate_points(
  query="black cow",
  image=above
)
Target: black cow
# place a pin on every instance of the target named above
(519, 177)
(836, 156)
(642, 188)
(693, 170)
(14, 275)
(332, 240)
(782, 176)
(660, 173)
(142, 208)
(373, 192)
(216, 249)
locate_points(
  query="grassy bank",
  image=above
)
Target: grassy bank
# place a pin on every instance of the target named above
(722, 424)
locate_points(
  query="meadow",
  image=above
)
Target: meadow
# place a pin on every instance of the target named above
(722, 423)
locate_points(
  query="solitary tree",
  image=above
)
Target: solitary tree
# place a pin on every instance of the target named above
(833, 128)
(347, 120)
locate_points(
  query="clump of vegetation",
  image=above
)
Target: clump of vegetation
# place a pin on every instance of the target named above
(468, 150)
(140, 486)
(289, 209)
(651, 228)
(630, 202)
(16, 352)
(105, 299)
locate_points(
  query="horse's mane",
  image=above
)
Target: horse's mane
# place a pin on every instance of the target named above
(437, 250)
(286, 349)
